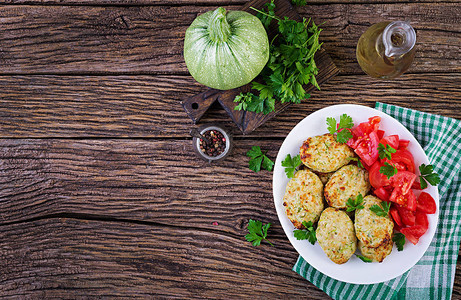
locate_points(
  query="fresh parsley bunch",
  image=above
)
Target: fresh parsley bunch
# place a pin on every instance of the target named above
(354, 204)
(291, 64)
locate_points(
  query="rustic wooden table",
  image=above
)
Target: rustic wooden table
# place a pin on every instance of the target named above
(100, 192)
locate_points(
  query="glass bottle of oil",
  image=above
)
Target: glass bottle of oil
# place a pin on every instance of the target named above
(386, 49)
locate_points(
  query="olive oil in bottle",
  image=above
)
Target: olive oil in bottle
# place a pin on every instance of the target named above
(386, 49)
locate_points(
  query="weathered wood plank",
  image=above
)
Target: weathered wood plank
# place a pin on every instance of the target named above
(68, 258)
(157, 181)
(148, 106)
(190, 2)
(62, 258)
(149, 39)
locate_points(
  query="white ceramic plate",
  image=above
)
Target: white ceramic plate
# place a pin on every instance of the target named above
(354, 271)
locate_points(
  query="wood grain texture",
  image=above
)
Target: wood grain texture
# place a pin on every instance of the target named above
(68, 258)
(149, 39)
(148, 106)
(156, 181)
(190, 2)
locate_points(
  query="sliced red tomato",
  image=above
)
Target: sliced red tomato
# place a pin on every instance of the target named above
(421, 220)
(402, 182)
(380, 134)
(371, 126)
(395, 216)
(403, 144)
(426, 203)
(407, 216)
(382, 193)
(405, 158)
(408, 200)
(391, 140)
(377, 179)
(367, 150)
(408, 233)
(363, 130)
(416, 185)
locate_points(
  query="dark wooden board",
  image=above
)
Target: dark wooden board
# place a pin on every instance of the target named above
(148, 106)
(149, 39)
(68, 259)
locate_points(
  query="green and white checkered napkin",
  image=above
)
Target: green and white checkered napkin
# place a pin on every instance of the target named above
(433, 276)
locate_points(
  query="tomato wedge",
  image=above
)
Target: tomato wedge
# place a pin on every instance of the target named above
(408, 233)
(407, 216)
(376, 178)
(426, 203)
(363, 130)
(367, 150)
(421, 220)
(395, 216)
(402, 182)
(380, 134)
(416, 185)
(403, 144)
(391, 140)
(408, 200)
(382, 193)
(404, 158)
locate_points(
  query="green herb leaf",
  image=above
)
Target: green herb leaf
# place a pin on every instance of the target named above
(343, 136)
(364, 259)
(345, 121)
(354, 204)
(428, 175)
(399, 240)
(385, 151)
(381, 210)
(388, 170)
(257, 232)
(306, 234)
(343, 132)
(291, 164)
(331, 125)
(258, 159)
(257, 104)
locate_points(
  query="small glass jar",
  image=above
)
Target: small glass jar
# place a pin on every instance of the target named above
(210, 130)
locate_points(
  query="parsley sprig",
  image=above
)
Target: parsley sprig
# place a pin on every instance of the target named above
(291, 164)
(381, 210)
(388, 170)
(257, 232)
(345, 121)
(364, 259)
(291, 63)
(306, 234)
(399, 240)
(428, 175)
(385, 151)
(354, 204)
(251, 102)
(259, 159)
